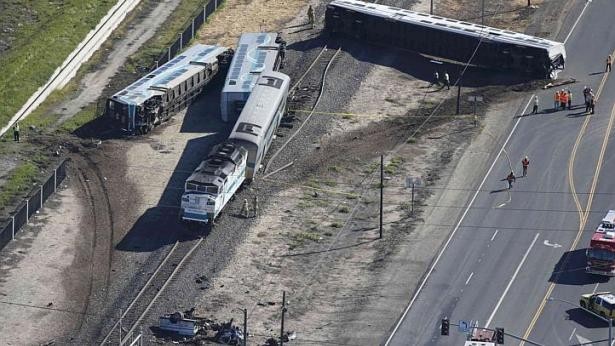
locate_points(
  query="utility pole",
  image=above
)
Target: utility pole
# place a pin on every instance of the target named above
(482, 17)
(245, 327)
(529, 3)
(283, 312)
(431, 7)
(381, 191)
(458, 95)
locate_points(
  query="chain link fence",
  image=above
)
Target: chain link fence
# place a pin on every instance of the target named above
(188, 33)
(31, 204)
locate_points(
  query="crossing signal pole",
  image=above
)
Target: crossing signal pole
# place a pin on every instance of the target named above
(499, 336)
(444, 326)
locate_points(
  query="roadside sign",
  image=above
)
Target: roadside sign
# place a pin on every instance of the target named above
(416, 181)
(464, 326)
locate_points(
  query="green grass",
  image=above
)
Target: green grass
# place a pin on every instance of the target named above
(19, 181)
(84, 116)
(393, 166)
(41, 45)
(166, 34)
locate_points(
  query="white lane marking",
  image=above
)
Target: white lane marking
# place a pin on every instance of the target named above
(572, 334)
(512, 279)
(553, 245)
(577, 22)
(494, 234)
(469, 278)
(595, 288)
(435, 262)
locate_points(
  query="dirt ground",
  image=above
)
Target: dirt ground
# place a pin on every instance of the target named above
(316, 239)
(43, 271)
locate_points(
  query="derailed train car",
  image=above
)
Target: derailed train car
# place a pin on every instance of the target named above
(173, 86)
(217, 178)
(257, 53)
(444, 37)
(260, 118)
(213, 183)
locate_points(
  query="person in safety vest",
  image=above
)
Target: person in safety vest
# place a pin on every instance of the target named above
(525, 163)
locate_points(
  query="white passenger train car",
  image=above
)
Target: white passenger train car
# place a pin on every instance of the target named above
(213, 183)
(256, 53)
(166, 90)
(445, 37)
(260, 118)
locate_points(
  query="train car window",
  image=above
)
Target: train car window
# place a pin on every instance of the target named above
(252, 129)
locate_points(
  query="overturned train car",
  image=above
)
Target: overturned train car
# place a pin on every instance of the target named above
(446, 38)
(157, 96)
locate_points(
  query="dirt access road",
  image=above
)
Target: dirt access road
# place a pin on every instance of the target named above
(343, 284)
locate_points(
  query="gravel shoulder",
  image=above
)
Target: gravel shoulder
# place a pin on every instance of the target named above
(45, 273)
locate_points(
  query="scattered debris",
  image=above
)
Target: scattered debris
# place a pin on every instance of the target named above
(559, 83)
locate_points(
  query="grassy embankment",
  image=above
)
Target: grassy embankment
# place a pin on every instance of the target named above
(23, 176)
(145, 57)
(43, 33)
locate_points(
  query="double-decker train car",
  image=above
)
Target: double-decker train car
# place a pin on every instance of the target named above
(446, 38)
(256, 53)
(213, 183)
(260, 118)
(157, 96)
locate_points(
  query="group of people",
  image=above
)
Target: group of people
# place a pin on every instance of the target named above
(446, 80)
(511, 176)
(562, 99)
(590, 99)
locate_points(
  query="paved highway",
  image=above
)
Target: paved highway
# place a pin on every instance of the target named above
(512, 250)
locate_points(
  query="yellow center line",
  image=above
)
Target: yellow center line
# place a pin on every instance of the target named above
(583, 214)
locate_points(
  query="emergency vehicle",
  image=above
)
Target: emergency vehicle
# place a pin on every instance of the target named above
(601, 251)
(602, 303)
(481, 337)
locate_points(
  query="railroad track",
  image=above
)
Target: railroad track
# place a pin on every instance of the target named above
(138, 308)
(317, 71)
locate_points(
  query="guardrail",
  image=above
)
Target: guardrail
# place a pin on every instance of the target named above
(31, 204)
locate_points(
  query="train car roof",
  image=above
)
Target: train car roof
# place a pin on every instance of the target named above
(256, 53)
(270, 89)
(170, 74)
(442, 23)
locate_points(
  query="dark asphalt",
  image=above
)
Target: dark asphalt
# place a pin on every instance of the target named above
(503, 258)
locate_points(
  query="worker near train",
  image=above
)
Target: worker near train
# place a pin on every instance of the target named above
(310, 15)
(447, 81)
(563, 98)
(16, 132)
(436, 79)
(535, 108)
(556, 100)
(608, 63)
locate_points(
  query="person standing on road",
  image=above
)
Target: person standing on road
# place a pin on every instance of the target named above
(592, 103)
(556, 101)
(447, 81)
(563, 99)
(608, 63)
(535, 109)
(525, 163)
(310, 14)
(569, 100)
(510, 178)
